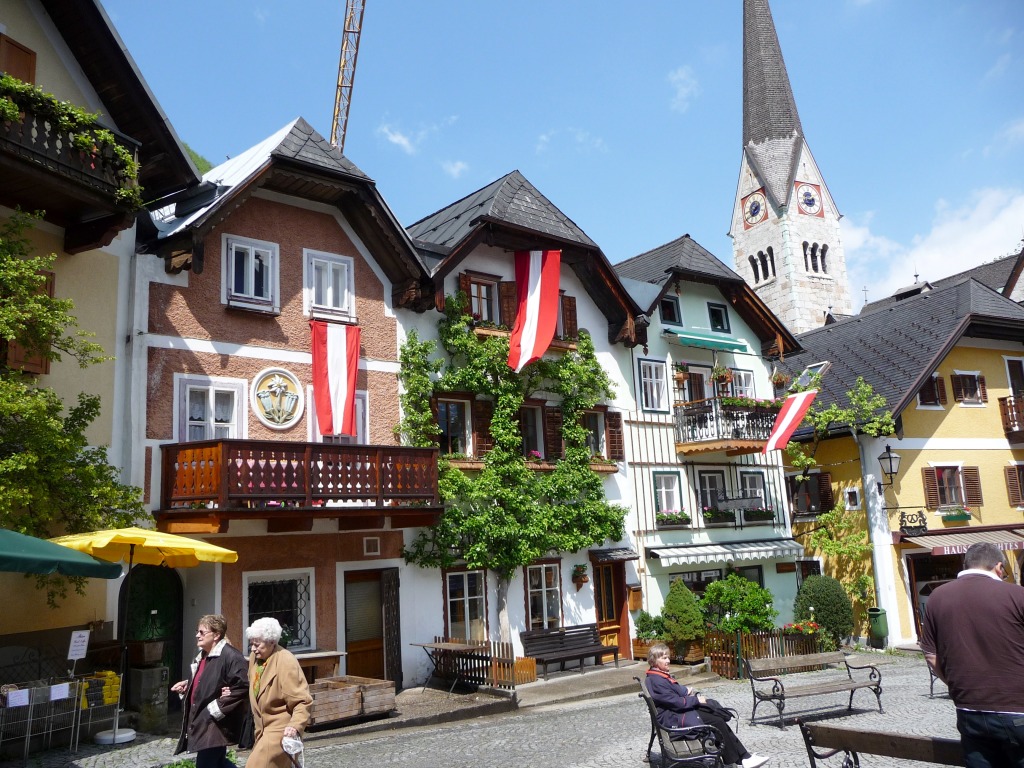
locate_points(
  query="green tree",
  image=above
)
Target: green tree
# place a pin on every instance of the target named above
(506, 515)
(681, 613)
(824, 600)
(736, 604)
(51, 480)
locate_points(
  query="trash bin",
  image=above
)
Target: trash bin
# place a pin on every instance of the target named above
(878, 627)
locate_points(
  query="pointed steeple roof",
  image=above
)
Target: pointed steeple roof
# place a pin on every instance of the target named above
(772, 133)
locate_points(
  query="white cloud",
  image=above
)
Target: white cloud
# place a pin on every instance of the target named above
(397, 138)
(261, 15)
(985, 227)
(686, 88)
(454, 168)
(582, 140)
(410, 142)
(999, 68)
(544, 141)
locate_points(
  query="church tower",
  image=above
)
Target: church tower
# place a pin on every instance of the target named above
(785, 225)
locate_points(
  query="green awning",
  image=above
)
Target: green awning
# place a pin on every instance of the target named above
(691, 339)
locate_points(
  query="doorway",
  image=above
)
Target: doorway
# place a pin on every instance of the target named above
(154, 615)
(372, 632)
(927, 573)
(610, 604)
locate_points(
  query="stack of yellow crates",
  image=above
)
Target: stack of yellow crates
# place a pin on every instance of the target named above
(103, 687)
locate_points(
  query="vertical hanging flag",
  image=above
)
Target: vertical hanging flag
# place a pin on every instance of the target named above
(335, 367)
(789, 419)
(537, 274)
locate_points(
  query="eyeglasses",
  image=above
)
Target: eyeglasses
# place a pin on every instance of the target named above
(203, 632)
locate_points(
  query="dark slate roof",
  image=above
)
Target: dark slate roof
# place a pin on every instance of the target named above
(994, 274)
(510, 200)
(304, 144)
(772, 133)
(896, 347)
(682, 254)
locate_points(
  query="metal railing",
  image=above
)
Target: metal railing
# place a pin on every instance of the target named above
(711, 419)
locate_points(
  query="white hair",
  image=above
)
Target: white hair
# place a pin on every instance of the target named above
(264, 629)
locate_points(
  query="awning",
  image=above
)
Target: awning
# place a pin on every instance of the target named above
(615, 555)
(957, 543)
(723, 553)
(691, 339)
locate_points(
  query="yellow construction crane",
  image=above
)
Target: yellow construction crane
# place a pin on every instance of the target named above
(346, 70)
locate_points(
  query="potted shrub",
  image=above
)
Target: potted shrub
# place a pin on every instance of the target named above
(670, 517)
(684, 622)
(780, 380)
(758, 515)
(649, 630)
(681, 372)
(579, 575)
(716, 516)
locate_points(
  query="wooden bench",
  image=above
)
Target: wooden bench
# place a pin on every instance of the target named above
(698, 745)
(578, 643)
(853, 743)
(763, 671)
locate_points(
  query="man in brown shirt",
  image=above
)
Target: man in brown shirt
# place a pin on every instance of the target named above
(973, 637)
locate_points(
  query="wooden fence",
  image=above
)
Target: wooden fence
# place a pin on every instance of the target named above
(728, 649)
(490, 663)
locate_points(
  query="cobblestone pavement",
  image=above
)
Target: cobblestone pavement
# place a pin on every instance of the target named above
(610, 731)
(614, 731)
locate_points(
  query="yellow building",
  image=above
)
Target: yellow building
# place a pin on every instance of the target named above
(950, 363)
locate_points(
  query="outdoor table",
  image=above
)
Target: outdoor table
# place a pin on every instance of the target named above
(313, 659)
(446, 657)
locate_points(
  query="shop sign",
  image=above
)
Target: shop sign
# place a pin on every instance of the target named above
(960, 549)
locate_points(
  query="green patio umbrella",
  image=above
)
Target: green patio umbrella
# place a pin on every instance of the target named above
(26, 554)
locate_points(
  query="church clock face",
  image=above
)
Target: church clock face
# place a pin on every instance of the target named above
(808, 199)
(755, 209)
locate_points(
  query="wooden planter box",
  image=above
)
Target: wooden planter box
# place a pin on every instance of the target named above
(691, 651)
(641, 649)
(376, 696)
(334, 700)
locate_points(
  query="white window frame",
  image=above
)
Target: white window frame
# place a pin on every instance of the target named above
(343, 306)
(545, 591)
(961, 490)
(482, 598)
(184, 383)
(668, 494)
(243, 300)
(601, 448)
(742, 383)
(467, 436)
(703, 488)
(852, 498)
(760, 486)
(714, 307)
(362, 421)
(484, 309)
(535, 414)
(295, 574)
(654, 390)
(979, 403)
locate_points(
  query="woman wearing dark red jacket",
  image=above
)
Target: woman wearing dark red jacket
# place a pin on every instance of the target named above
(216, 696)
(677, 708)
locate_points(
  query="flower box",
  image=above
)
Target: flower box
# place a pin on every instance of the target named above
(758, 515)
(955, 514)
(672, 519)
(713, 516)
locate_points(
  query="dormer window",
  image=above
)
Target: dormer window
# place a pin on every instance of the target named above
(670, 314)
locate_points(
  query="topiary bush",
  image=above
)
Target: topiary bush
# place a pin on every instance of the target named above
(832, 607)
(736, 604)
(681, 614)
(649, 628)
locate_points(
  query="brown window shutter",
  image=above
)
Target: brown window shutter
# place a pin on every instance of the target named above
(825, 498)
(958, 386)
(433, 410)
(553, 433)
(982, 390)
(931, 486)
(508, 302)
(464, 286)
(972, 486)
(483, 441)
(17, 60)
(613, 436)
(570, 328)
(940, 389)
(928, 393)
(18, 357)
(1013, 486)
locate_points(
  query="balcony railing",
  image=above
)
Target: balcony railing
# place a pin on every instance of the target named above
(706, 421)
(247, 475)
(1011, 411)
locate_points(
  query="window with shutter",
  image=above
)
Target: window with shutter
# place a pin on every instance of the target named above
(931, 487)
(972, 487)
(969, 388)
(928, 395)
(483, 441)
(554, 447)
(508, 302)
(614, 436)
(811, 496)
(569, 327)
(481, 296)
(1014, 484)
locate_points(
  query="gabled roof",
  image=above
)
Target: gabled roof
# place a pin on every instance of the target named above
(772, 133)
(295, 161)
(898, 347)
(512, 214)
(1001, 275)
(684, 259)
(165, 166)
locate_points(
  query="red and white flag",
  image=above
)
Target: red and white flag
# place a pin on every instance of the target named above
(789, 419)
(537, 274)
(335, 368)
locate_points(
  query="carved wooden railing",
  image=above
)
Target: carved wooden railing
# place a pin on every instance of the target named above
(704, 420)
(1011, 411)
(236, 474)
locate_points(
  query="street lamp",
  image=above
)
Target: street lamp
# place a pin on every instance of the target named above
(890, 462)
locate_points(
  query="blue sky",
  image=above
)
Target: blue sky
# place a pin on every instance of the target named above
(629, 118)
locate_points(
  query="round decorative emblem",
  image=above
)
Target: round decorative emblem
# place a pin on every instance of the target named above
(808, 197)
(276, 398)
(755, 209)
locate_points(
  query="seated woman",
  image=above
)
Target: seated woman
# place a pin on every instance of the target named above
(677, 708)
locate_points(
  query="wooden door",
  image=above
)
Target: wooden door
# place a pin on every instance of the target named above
(364, 624)
(610, 604)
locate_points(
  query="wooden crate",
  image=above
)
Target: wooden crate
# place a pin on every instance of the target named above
(334, 700)
(378, 696)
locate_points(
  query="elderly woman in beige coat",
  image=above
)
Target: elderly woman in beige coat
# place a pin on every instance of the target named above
(278, 694)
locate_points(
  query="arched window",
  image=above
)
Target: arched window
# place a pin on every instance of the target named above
(753, 266)
(807, 259)
(764, 265)
(771, 260)
(814, 257)
(824, 266)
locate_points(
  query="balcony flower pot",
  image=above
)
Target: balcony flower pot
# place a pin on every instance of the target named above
(713, 515)
(758, 515)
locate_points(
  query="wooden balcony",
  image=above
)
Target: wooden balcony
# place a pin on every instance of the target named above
(207, 484)
(43, 170)
(1011, 411)
(703, 426)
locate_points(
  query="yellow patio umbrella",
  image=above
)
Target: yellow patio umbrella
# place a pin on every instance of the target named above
(141, 545)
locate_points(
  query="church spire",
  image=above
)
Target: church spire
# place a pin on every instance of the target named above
(771, 123)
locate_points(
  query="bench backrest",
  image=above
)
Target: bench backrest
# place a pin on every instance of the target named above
(563, 638)
(786, 663)
(679, 749)
(928, 749)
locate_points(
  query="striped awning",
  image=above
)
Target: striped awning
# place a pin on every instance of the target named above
(957, 543)
(691, 339)
(768, 549)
